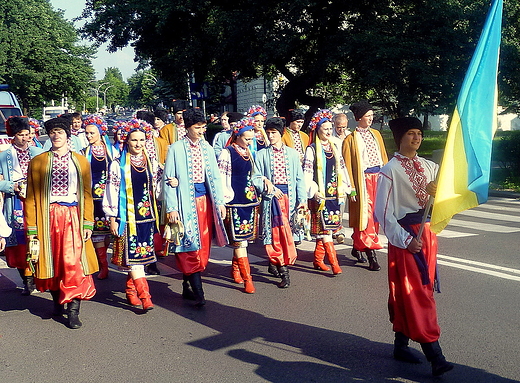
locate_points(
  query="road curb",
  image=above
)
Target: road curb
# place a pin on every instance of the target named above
(504, 194)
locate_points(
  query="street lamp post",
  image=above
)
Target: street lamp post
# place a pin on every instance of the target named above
(105, 95)
(97, 95)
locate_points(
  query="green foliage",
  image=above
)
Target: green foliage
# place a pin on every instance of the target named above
(43, 60)
(140, 89)
(116, 89)
(506, 152)
(406, 57)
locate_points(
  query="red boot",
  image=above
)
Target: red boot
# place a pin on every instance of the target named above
(245, 272)
(131, 292)
(330, 250)
(235, 271)
(101, 253)
(143, 291)
(319, 255)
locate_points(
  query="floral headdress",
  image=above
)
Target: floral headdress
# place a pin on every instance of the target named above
(321, 116)
(132, 126)
(34, 123)
(256, 109)
(244, 125)
(118, 126)
(96, 121)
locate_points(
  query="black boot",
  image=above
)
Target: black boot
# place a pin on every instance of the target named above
(196, 284)
(373, 265)
(152, 269)
(273, 270)
(58, 308)
(73, 314)
(358, 255)
(402, 352)
(434, 355)
(29, 286)
(187, 292)
(28, 282)
(284, 274)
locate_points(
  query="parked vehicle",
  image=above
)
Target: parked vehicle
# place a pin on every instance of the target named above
(9, 106)
(53, 111)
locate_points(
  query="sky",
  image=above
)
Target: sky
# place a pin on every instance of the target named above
(122, 59)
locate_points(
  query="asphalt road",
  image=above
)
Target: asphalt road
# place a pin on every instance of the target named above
(321, 329)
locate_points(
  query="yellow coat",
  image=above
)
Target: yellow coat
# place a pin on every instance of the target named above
(288, 140)
(36, 211)
(358, 211)
(169, 134)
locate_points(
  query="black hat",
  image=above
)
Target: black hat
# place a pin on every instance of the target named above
(162, 114)
(400, 126)
(58, 123)
(16, 124)
(360, 109)
(234, 117)
(277, 123)
(147, 116)
(193, 116)
(178, 106)
(294, 115)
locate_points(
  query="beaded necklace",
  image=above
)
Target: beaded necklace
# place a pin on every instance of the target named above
(138, 162)
(243, 152)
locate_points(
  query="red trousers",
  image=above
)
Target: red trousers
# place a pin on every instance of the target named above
(410, 303)
(66, 246)
(368, 239)
(194, 261)
(282, 251)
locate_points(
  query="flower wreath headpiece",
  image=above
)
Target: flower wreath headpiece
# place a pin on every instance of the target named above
(244, 125)
(96, 121)
(321, 116)
(34, 123)
(133, 125)
(256, 109)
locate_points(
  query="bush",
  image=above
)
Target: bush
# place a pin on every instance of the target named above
(432, 140)
(506, 151)
(506, 155)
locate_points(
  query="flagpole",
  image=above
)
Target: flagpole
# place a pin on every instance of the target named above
(425, 216)
(427, 208)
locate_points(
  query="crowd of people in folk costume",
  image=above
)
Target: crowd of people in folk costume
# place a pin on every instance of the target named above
(80, 194)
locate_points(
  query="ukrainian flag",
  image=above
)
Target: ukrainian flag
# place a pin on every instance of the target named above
(463, 179)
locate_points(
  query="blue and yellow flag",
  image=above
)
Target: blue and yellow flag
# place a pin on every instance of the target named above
(463, 180)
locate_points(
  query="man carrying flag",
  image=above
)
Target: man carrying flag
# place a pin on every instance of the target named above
(402, 194)
(463, 181)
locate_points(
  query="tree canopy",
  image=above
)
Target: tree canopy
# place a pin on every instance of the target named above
(405, 56)
(40, 57)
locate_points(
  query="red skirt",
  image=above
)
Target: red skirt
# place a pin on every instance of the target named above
(16, 256)
(66, 247)
(194, 261)
(282, 250)
(411, 304)
(368, 239)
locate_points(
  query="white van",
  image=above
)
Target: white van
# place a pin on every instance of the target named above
(53, 111)
(9, 106)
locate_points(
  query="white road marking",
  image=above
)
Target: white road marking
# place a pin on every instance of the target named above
(484, 226)
(478, 270)
(454, 234)
(476, 263)
(489, 215)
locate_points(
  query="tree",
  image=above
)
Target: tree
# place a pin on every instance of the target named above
(408, 56)
(43, 60)
(116, 89)
(140, 90)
